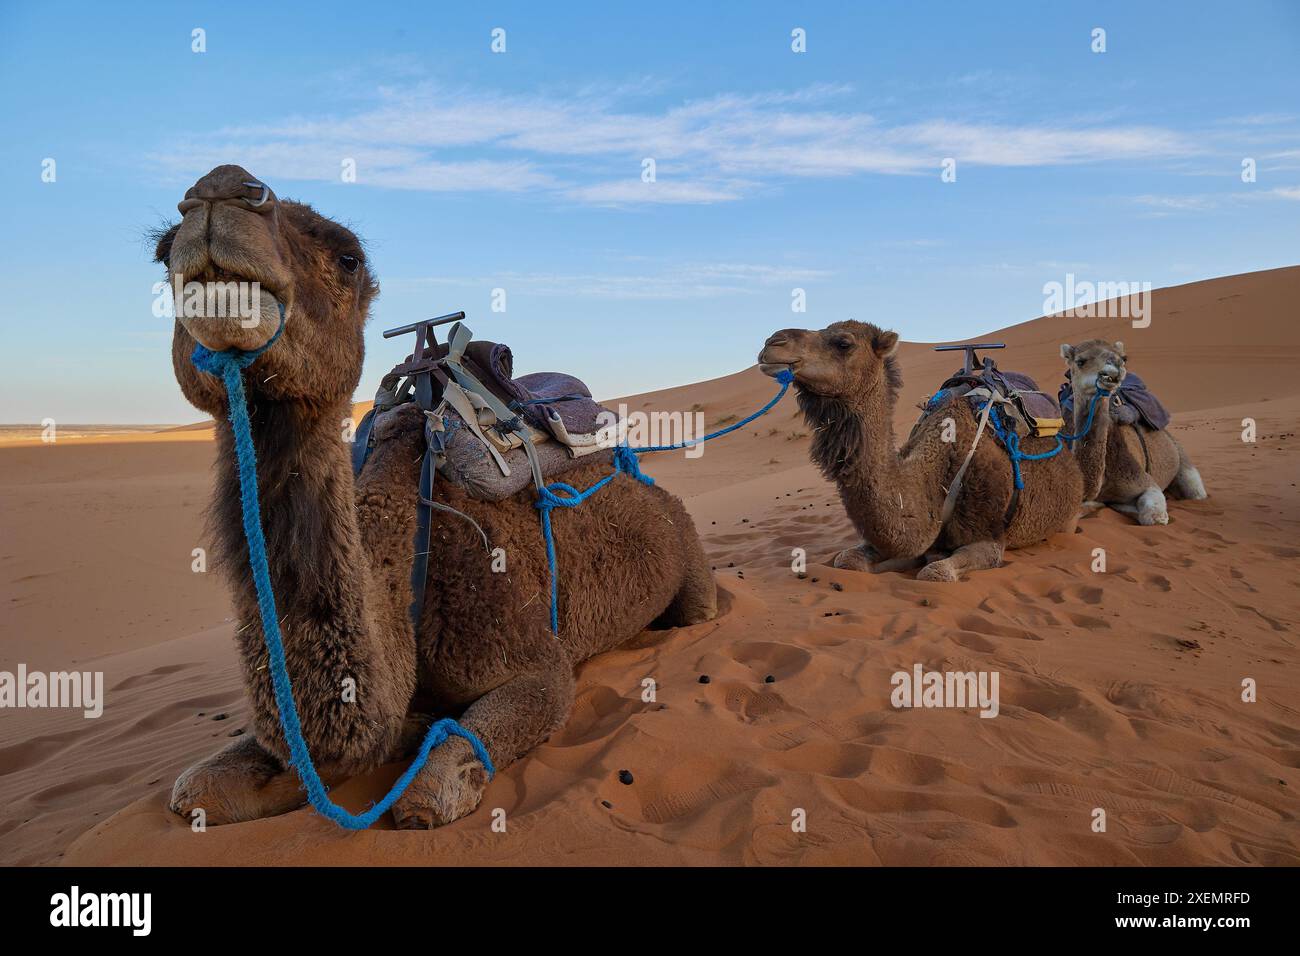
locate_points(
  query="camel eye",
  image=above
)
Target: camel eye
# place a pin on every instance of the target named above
(844, 344)
(1080, 362)
(349, 263)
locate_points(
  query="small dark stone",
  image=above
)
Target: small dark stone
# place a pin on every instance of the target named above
(769, 679)
(607, 805)
(236, 732)
(625, 777)
(802, 575)
(815, 580)
(704, 678)
(925, 602)
(220, 716)
(836, 586)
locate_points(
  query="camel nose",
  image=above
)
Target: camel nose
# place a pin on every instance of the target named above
(778, 338)
(229, 183)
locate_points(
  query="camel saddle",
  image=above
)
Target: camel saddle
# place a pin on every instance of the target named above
(1028, 409)
(1016, 401)
(485, 430)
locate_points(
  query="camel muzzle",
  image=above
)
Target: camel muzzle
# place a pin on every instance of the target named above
(228, 278)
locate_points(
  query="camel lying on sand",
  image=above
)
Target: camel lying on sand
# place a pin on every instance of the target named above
(847, 379)
(1125, 463)
(340, 552)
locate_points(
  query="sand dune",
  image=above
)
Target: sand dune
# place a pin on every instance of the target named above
(1119, 690)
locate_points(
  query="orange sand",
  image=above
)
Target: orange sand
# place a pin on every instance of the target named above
(1119, 690)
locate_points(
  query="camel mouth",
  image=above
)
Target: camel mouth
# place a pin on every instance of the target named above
(773, 369)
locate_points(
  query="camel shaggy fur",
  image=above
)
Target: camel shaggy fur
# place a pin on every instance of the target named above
(340, 552)
(1127, 466)
(847, 381)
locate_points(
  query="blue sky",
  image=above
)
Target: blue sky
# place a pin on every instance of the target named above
(775, 170)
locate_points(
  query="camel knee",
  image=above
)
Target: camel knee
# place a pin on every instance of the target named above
(696, 600)
(1188, 484)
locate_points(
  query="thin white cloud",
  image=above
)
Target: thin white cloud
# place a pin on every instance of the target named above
(588, 148)
(683, 281)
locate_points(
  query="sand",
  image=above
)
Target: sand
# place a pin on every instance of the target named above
(1119, 690)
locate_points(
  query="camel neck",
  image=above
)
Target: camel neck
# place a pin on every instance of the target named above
(1090, 449)
(854, 447)
(309, 519)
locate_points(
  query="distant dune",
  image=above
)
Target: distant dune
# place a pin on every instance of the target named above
(1119, 690)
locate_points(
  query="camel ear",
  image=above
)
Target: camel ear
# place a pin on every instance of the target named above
(1119, 348)
(1067, 351)
(885, 344)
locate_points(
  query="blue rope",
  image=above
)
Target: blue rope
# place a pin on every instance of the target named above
(625, 462)
(228, 366)
(1011, 441)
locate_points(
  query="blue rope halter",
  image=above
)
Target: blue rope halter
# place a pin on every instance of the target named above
(625, 461)
(228, 366)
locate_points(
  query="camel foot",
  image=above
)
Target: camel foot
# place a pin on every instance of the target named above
(969, 557)
(447, 788)
(1151, 508)
(866, 558)
(852, 559)
(242, 782)
(938, 571)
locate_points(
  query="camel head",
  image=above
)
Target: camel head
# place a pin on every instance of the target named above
(844, 361)
(1095, 363)
(238, 258)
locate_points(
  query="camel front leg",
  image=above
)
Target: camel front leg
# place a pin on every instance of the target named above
(865, 558)
(242, 782)
(510, 720)
(970, 557)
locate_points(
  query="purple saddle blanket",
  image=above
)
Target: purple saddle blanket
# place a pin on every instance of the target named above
(1132, 402)
(1038, 405)
(547, 400)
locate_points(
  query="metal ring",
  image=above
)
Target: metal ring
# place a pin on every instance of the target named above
(266, 192)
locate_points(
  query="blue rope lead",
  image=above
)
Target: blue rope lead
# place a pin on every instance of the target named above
(1011, 441)
(625, 461)
(228, 366)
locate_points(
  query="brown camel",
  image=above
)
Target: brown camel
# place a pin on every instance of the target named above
(1127, 466)
(847, 380)
(340, 554)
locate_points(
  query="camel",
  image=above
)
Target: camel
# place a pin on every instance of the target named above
(340, 550)
(1125, 464)
(847, 381)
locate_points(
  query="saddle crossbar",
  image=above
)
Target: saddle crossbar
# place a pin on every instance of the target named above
(970, 352)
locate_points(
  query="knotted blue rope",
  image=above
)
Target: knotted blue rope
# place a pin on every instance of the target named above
(625, 461)
(228, 366)
(1011, 441)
